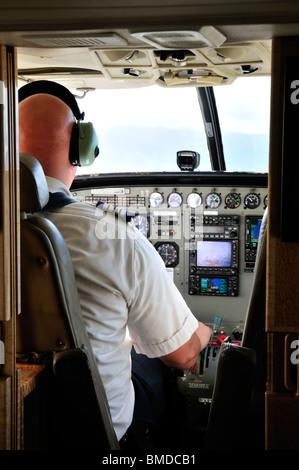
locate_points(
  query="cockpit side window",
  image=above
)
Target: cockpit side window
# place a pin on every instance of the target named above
(244, 115)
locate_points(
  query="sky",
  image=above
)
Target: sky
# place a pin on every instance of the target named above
(142, 129)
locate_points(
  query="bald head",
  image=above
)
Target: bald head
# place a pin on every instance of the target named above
(45, 127)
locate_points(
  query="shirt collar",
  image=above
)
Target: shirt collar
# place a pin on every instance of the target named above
(56, 186)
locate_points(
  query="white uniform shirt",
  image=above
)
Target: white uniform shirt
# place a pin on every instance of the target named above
(126, 297)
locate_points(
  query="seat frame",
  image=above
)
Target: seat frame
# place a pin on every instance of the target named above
(51, 329)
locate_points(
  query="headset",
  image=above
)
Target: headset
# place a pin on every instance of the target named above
(84, 141)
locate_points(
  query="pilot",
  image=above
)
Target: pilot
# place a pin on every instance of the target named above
(126, 295)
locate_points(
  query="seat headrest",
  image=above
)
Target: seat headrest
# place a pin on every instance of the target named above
(34, 192)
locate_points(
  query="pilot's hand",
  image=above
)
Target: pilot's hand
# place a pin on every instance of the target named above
(204, 334)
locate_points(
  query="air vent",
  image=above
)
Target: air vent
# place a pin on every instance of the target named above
(207, 36)
(97, 40)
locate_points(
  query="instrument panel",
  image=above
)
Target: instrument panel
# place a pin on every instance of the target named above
(207, 237)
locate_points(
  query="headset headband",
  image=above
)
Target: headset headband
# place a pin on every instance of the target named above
(52, 88)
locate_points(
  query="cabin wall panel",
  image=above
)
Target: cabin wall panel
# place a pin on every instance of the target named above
(9, 249)
(282, 316)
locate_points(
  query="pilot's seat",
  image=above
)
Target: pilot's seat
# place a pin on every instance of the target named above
(50, 329)
(237, 413)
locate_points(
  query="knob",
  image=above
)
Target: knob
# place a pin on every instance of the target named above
(238, 333)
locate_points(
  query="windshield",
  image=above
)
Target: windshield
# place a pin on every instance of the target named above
(141, 130)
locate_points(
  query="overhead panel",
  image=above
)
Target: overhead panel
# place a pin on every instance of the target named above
(118, 60)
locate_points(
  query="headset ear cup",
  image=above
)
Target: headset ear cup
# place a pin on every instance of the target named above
(88, 143)
(74, 147)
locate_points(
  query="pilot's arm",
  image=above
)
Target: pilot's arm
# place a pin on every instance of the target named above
(186, 355)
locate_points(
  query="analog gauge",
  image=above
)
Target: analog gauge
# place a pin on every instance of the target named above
(169, 253)
(156, 199)
(266, 201)
(213, 200)
(194, 200)
(252, 201)
(174, 199)
(141, 222)
(233, 200)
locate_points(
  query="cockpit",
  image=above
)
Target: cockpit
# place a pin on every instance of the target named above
(182, 111)
(183, 154)
(188, 165)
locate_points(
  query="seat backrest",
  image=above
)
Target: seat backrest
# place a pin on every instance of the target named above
(237, 414)
(50, 328)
